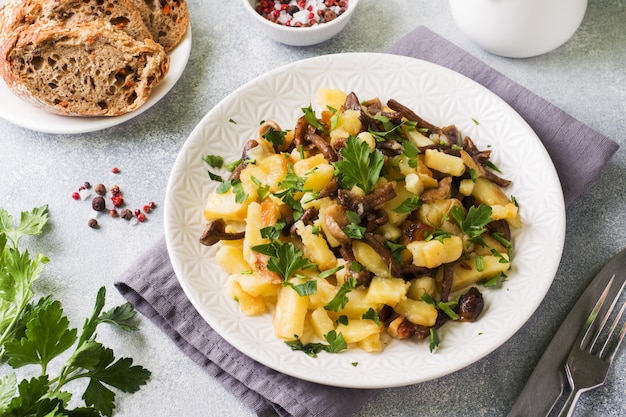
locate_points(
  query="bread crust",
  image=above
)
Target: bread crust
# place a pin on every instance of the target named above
(167, 20)
(122, 14)
(90, 69)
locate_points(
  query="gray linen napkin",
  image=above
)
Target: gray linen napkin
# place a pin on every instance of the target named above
(150, 285)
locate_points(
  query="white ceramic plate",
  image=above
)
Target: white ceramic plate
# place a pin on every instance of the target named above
(439, 95)
(24, 114)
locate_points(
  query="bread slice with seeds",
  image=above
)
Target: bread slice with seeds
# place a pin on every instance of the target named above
(88, 69)
(122, 14)
(166, 19)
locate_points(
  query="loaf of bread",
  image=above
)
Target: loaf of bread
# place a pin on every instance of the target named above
(86, 69)
(122, 14)
(166, 19)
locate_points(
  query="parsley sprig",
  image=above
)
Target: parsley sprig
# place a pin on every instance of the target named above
(36, 333)
(285, 259)
(473, 223)
(359, 165)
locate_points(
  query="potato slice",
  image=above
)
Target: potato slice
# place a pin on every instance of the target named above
(433, 253)
(291, 309)
(389, 291)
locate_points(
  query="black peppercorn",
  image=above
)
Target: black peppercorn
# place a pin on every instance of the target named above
(98, 203)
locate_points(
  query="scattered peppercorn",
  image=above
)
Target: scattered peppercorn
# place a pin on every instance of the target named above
(100, 189)
(98, 203)
(126, 214)
(117, 200)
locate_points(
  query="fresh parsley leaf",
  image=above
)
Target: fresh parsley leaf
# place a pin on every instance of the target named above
(273, 232)
(215, 177)
(311, 118)
(371, 314)
(214, 161)
(409, 205)
(287, 261)
(237, 189)
(396, 250)
(311, 349)
(31, 224)
(262, 191)
(275, 137)
(353, 230)
(336, 342)
(306, 288)
(340, 299)
(359, 165)
(47, 336)
(290, 185)
(284, 258)
(473, 223)
(436, 234)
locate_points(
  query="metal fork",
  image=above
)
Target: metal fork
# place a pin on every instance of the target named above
(590, 359)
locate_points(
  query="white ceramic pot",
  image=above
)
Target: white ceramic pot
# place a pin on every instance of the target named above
(518, 28)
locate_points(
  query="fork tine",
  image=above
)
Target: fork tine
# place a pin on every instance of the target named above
(591, 329)
(611, 345)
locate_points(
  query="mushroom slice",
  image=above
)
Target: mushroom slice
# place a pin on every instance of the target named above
(215, 231)
(336, 219)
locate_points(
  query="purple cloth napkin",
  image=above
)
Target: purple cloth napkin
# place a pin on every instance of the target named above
(150, 285)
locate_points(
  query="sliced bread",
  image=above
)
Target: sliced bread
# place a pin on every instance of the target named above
(166, 19)
(89, 69)
(122, 14)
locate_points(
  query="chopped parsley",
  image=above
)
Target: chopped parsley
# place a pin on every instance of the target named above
(336, 344)
(340, 299)
(473, 223)
(237, 189)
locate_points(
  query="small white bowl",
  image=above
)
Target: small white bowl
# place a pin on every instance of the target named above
(301, 36)
(518, 28)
